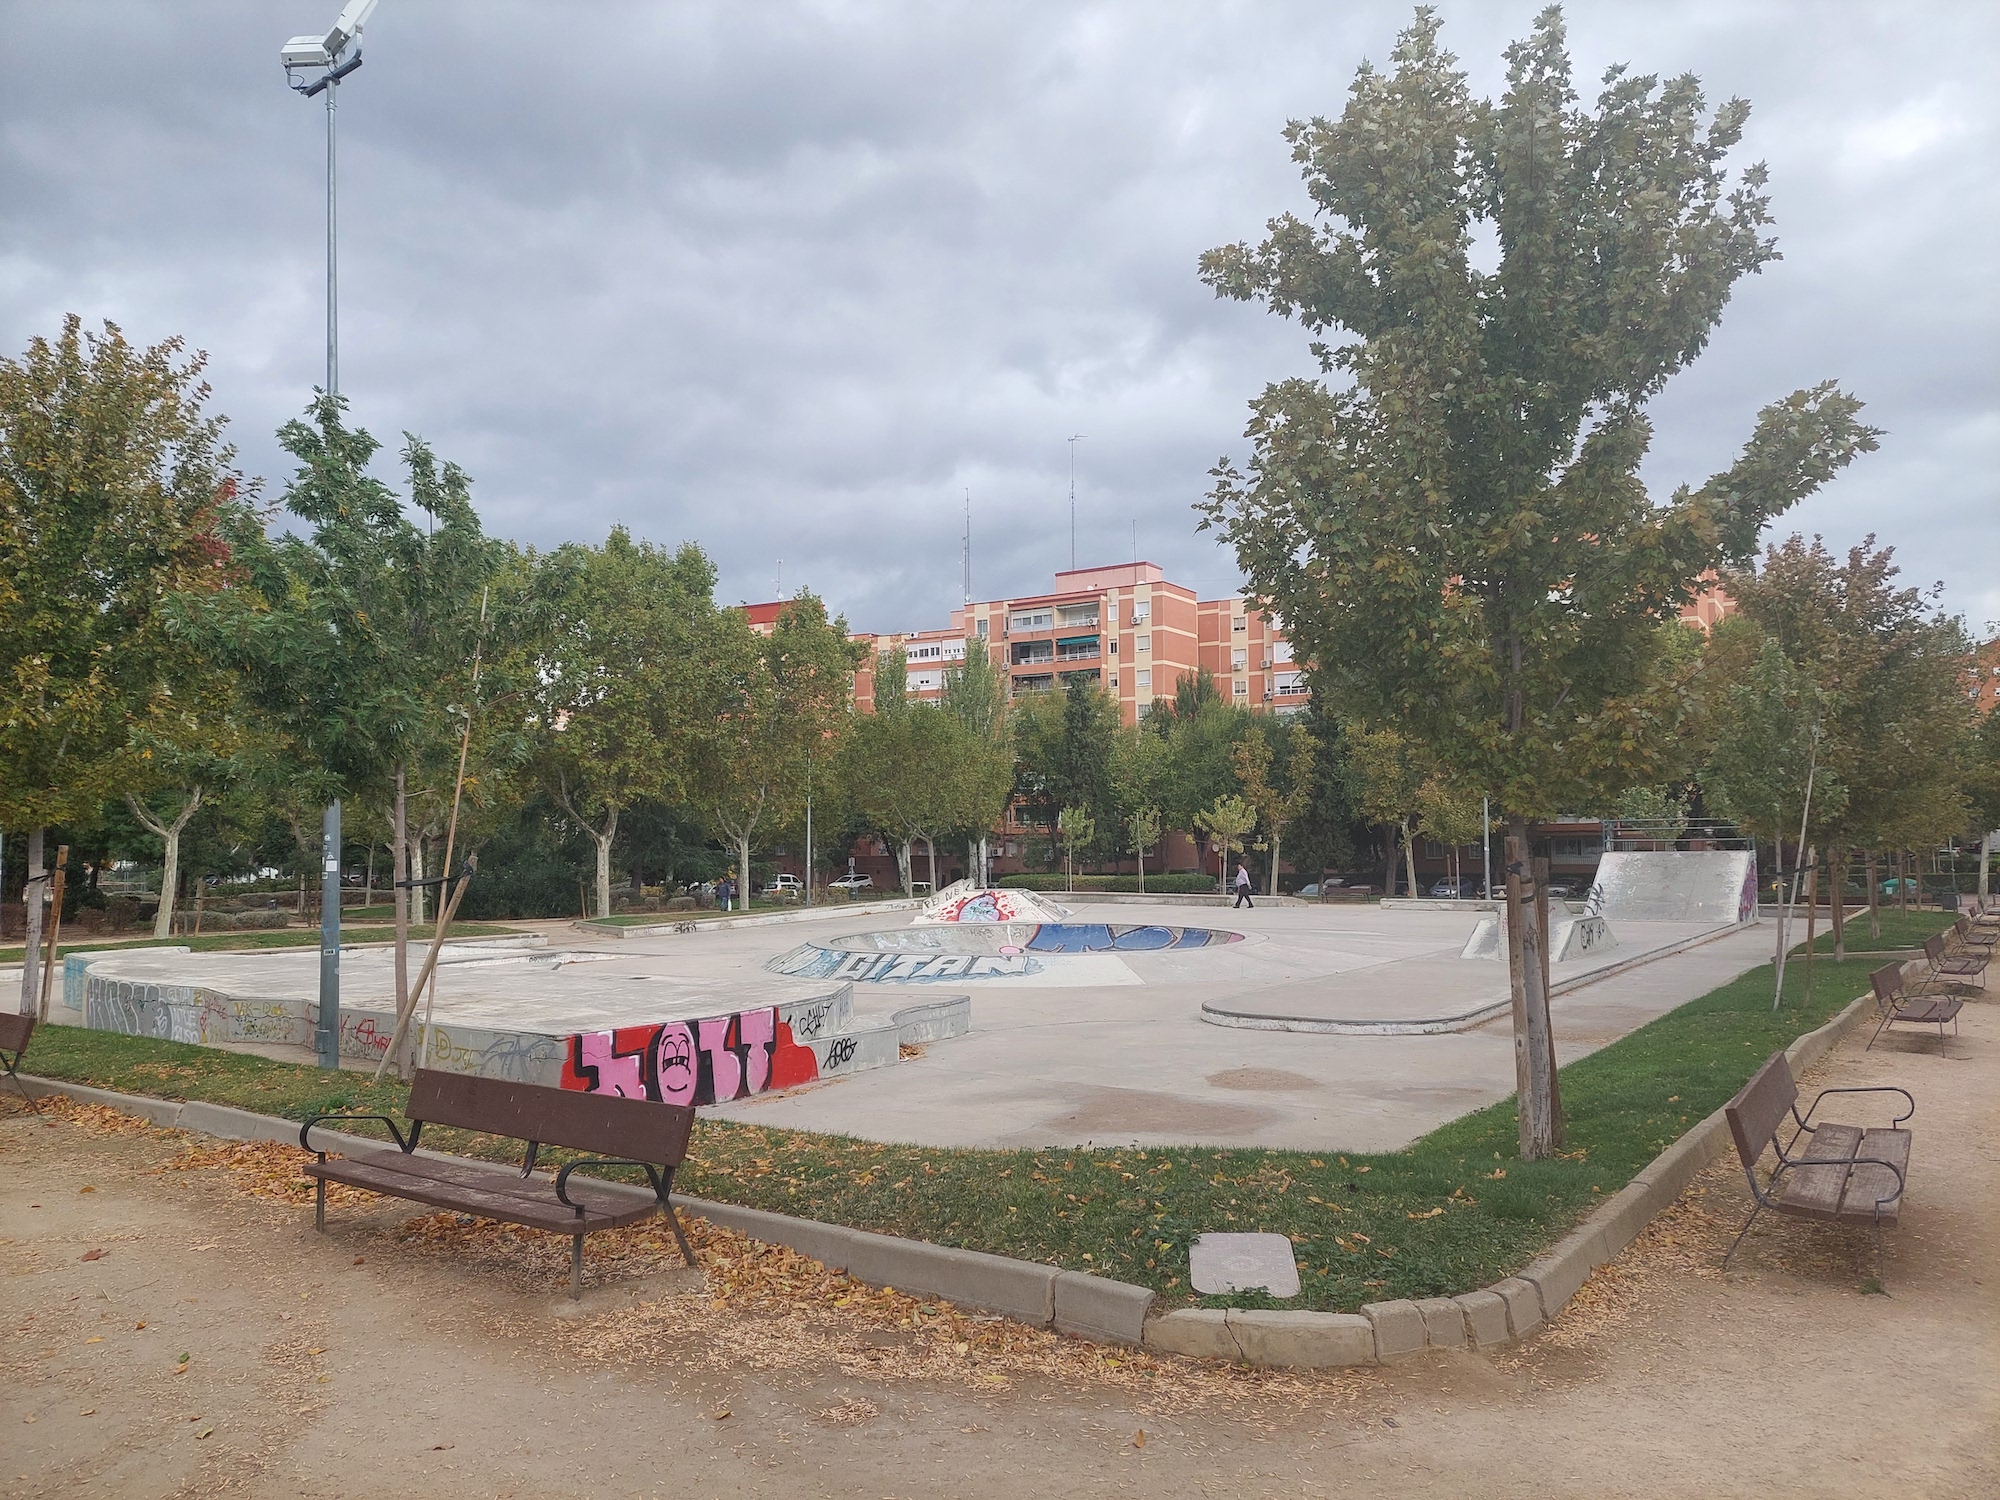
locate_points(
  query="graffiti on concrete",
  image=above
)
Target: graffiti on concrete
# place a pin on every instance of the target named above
(167, 1012)
(714, 1059)
(1096, 937)
(811, 962)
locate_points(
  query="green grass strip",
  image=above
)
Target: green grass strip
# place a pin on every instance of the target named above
(1455, 1211)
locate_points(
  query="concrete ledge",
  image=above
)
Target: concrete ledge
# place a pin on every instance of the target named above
(1621, 1219)
(1399, 1328)
(1101, 1310)
(1523, 1301)
(1565, 1267)
(159, 1111)
(1198, 1332)
(1810, 1048)
(235, 1124)
(1673, 1169)
(1302, 1340)
(687, 924)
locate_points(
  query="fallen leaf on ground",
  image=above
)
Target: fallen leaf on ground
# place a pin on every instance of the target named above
(440, 1447)
(722, 1415)
(93, 1255)
(1139, 1438)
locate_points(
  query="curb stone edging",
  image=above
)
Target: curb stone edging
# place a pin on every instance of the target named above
(1514, 1307)
(1106, 1311)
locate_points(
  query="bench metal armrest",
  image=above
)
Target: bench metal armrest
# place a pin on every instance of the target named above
(660, 1187)
(1880, 1089)
(404, 1144)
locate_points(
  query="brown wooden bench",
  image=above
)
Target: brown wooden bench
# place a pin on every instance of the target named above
(1976, 939)
(1848, 1174)
(15, 1029)
(621, 1132)
(1897, 1005)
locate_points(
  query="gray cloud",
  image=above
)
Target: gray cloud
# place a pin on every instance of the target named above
(787, 280)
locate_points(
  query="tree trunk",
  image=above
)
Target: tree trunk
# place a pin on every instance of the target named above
(1874, 901)
(399, 876)
(418, 874)
(602, 839)
(743, 866)
(31, 911)
(1142, 870)
(1541, 869)
(1410, 857)
(1533, 1084)
(1902, 880)
(1836, 862)
(930, 852)
(169, 835)
(1277, 843)
(903, 862)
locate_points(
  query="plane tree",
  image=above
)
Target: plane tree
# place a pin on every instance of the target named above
(1451, 518)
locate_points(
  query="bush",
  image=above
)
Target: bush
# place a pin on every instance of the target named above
(1156, 885)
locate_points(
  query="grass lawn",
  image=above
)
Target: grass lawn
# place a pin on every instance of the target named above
(1901, 930)
(1456, 1210)
(281, 937)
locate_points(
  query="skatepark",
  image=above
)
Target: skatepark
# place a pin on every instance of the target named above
(1014, 1021)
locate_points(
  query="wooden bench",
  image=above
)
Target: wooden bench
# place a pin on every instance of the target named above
(1848, 1174)
(620, 1132)
(1975, 938)
(1895, 1004)
(1948, 965)
(15, 1029)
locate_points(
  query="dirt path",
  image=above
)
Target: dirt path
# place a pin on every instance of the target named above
(414, 1355)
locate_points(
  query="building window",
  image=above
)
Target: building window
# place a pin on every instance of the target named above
(1238, 659)
(1041, 683)
(981, 627)
(1142, 612)
(1145, 643)
(1576, 848)
(1237, 625)
(1242, 688)
(1077, 614)
(1145, 708)
(1032, 619)
(1145, 680)
(1026, 652)
(1114, 682)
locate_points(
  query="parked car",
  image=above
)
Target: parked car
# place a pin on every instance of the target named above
(851, 883)
(1562, 890)
(782, 885)
(1462, 889)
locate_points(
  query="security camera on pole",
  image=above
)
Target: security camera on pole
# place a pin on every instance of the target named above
(316, 65)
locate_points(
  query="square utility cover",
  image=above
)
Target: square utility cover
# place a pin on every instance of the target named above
(1243, 1263)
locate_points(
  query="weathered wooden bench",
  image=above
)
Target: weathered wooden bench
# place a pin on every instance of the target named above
(1896, 1005)
(1975, 938)
(1847, 1174)
(622, 1132)
(15, 1029)
(1945, 964)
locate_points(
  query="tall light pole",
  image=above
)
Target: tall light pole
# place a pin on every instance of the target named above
(328, 56)
(1072, 499)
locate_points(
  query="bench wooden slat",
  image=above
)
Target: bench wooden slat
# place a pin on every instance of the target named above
(1815, 1192)
(602, 1124)
(506, 1207)
(535, 1192)
(15, 1029)
(1871, 1182)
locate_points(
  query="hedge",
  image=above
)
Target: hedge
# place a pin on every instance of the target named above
(1156, 885)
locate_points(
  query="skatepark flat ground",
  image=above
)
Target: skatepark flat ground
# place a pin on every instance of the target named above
(1061, 1065)
(1104, 1048)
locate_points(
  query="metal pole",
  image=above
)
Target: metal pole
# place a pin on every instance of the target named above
(332, 253)
(326, 1037)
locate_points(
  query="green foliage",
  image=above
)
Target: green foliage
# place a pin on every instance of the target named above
(118, 497)
(1454, 527)
(1064, 748)
(1155, 885)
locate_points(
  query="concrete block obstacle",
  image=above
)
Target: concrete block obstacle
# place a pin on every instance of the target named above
(1301, 1340)
(1485, 1317)
(1399, 1328)
(1100, 1309)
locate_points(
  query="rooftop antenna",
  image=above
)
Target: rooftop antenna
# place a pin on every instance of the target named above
(1072, 498)
(968, 544)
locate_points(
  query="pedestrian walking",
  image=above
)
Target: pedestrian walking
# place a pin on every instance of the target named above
(726, 889)
(1243, 887)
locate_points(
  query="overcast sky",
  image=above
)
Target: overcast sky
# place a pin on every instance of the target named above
(788, 279)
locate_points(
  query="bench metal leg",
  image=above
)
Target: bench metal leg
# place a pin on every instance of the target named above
(16, 1077)
(576, 1265)
(680, 1234)
(319, 1204)
(1733, 1244)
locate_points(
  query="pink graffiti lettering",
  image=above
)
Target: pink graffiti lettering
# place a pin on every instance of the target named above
(673, 1064)
(724, 1067)
(757, 1030)
(615, 1075)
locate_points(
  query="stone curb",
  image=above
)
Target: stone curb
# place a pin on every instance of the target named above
(1090, 1307)
(1106, 1311)
(1512, 1308)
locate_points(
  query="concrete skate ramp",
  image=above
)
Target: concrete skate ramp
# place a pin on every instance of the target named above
(1675, 885)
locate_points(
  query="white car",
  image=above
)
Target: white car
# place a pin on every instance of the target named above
(851, 883)
(782, 884)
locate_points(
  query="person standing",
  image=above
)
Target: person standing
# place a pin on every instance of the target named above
(726, 889)
(1243, 887)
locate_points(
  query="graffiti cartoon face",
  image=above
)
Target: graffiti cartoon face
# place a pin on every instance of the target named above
(673, 1064)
